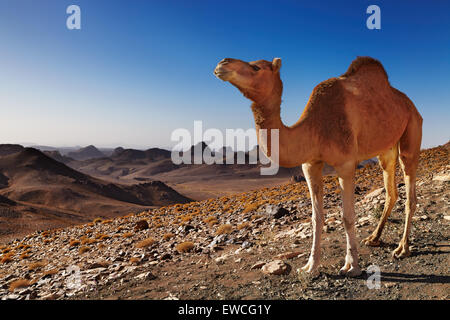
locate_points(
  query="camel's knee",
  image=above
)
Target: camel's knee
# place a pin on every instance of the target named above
(349, 222)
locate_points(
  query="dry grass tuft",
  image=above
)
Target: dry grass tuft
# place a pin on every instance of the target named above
(128, 235)
(251, 207)
(101, 236)
(145, 243)
(243, 225)
(224, 229)
(74, 243)
(37, 265)
(134, 260)
(211, 220)
(168, 236)
(97, 220)
(50, 272)
(20, 283)
(185, 246)
(83, 249)
(7, 257)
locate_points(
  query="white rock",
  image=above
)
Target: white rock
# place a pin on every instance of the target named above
(374, 193)
(442, 177)
(276, 267)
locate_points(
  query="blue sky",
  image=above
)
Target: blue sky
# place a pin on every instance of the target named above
(137, 70)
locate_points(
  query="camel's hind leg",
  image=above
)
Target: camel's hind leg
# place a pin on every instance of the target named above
(388, 161)
(409, 149)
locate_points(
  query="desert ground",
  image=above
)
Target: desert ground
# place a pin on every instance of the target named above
(242, 246)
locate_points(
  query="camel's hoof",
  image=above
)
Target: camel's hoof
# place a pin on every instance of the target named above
(371, 241)
(311, 269)
(350, 271)
(401, 252)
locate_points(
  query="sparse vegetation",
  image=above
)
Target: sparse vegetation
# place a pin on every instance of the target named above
(97, 220)
(168, 236)
(224, 229)
(83, 249)
(20, 283)
(185, 246)
(145, 243)
(74, 243)
(37, 265)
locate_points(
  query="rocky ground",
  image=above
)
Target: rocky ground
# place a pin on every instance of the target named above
(245, 246)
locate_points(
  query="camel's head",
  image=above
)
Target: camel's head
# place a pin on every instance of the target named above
(256, 80)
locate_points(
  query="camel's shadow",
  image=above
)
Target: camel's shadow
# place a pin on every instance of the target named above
(401, 277)
(414, 278)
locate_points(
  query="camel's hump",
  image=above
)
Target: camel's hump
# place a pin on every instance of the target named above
(360, 62)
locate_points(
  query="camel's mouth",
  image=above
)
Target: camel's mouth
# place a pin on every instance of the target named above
(222, 74)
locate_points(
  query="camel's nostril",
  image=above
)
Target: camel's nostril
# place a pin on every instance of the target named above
(225, 61)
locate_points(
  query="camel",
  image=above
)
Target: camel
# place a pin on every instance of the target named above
(347, 119)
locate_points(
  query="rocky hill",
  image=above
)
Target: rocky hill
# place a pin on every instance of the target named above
(242, 246)
(50, 194)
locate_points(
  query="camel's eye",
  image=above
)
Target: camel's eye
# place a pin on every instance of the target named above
(256, 68)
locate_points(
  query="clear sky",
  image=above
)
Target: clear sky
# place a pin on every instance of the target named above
(139, 69)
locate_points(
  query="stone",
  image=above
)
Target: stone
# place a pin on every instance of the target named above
(145, 276)
(166, 256)
(373, 194)
(257, 265)
(442, 177)
(290, 255)
(276, 267)
(188, 228)
(276, 212)
(141, 225)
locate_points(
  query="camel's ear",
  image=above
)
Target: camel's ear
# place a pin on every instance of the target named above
(276, 64)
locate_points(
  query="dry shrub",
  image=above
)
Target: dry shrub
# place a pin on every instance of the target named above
(7, 257)
(224, 229)
(6, 250)
(101, 236)
(37, 265)
(211, 220)
(101, 246)
(243, 225)
(185, 246)
(168, 236)
(251, 207)
(145, 243)
(46, 234)
(25, 255)
(83, 249)
(50, 272)
(127, 235)
(134, 260)
(20, 283)
(256, 216)
(186, 218)
(74, 243)
(106, 221)
(23, 246)
(97, 220)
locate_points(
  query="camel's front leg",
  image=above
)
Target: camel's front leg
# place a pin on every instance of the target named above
(313, 175)
(346, 180)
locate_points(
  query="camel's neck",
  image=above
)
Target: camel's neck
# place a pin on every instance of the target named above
(295, 143)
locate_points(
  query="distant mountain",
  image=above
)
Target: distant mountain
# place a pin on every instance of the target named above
(37, 181)
(89, 152)
(7, 149)
(153, 154)
(58, 157)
